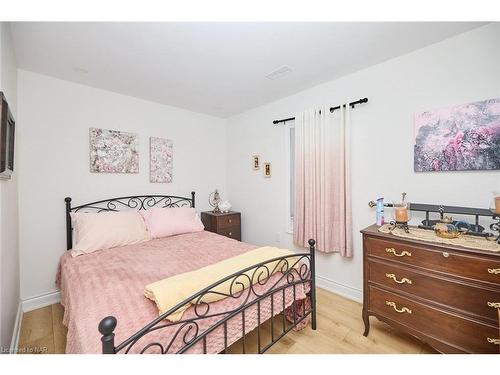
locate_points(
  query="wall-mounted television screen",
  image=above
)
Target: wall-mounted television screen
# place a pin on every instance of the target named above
(7, 132)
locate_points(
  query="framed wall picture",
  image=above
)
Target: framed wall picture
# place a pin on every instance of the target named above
(463, 137)
(255, 162)
(7, 133)
(113, 151)
(160, 160)
(267, 169)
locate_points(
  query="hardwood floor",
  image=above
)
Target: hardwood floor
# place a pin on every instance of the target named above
(42, 331)
(339, 330)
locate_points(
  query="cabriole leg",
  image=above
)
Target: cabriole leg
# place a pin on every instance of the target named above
(366, 320)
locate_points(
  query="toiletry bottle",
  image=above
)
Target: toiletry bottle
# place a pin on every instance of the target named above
(380, 211)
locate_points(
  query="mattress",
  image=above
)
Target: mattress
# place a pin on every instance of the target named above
(111, 282)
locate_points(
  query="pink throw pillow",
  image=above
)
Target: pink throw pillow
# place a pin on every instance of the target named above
(105, 230)
(164, 222)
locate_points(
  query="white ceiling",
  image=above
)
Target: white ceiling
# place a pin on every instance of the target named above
(215, 68)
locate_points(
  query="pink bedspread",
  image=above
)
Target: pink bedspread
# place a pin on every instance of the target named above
(111, 282)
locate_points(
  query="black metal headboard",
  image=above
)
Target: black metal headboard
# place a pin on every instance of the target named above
(138, 202)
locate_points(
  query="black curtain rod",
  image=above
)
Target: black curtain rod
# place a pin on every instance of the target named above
(352, 104)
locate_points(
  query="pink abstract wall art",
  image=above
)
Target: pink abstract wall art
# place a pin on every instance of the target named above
(458, 138)
(113, 151)
(161, 156)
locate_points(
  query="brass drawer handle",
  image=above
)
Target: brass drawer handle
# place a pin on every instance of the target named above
(493, 341)
(494, 271)
(495, 305)
(392, 250)
(230, 233)
(229, 221)
(402, 310)
(402, 281)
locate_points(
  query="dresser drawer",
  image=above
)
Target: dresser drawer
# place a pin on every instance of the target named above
(231, 232)
(463, 334)
(227, 221)
(482, 302)
(449, 262)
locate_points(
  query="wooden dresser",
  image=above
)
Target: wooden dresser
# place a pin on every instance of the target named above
(227, 224)
(447, 296)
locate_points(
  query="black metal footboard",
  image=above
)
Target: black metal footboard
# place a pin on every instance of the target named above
(262, 301)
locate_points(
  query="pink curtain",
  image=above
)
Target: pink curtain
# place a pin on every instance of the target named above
(322, 202)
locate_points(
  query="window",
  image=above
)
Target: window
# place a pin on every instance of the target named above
(290, 150)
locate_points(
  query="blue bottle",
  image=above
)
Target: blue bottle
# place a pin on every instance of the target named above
(380, 211)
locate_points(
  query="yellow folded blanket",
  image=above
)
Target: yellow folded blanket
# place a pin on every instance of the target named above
(169, 292)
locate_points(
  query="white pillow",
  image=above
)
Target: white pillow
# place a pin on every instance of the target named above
(105, 230)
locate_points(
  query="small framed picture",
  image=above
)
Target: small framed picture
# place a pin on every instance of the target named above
(255, 162)
(267, 169)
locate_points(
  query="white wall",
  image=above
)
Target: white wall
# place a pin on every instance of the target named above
(462, 69)
(54, 161)
(9, 251)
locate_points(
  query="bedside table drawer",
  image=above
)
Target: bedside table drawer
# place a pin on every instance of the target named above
(231, 232)
(228, 221)
(226, 224)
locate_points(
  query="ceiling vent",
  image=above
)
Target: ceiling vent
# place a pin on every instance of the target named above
(280, 72)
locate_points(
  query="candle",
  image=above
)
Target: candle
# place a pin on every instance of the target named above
(497, 205)
(401, 214)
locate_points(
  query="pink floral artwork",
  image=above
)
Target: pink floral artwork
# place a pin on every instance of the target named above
(160, 164)
(458, 138)
(113, 151)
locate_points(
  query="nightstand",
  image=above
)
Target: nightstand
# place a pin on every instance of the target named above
(226, 224)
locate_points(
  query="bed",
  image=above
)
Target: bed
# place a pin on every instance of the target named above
(106, 311)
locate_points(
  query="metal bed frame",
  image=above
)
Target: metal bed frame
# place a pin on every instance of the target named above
(297, 269)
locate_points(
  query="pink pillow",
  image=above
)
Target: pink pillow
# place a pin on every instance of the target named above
(104, 230)
(164, 222)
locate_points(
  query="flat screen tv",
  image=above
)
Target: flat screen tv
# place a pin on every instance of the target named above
(7, 132)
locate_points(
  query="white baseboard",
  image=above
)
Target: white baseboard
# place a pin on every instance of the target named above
(42, 300)
(17, 330)
(340, 289)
